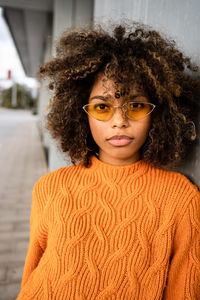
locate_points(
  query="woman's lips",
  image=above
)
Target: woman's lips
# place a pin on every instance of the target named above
(120, 140)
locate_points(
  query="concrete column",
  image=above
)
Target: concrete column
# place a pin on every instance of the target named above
(67, 14)
(14, 94)
(83, 13)
(62, 19)
(45, 95)
(63, 11)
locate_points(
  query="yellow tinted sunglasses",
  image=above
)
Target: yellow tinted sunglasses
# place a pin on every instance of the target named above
(133, 110)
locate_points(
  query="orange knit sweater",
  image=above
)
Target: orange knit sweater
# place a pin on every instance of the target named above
(113, 232)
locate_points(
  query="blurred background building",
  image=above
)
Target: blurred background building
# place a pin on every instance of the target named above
(36, 25)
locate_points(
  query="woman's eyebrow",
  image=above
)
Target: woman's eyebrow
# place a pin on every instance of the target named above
(104, 98)
(136, 96)
(107, 97)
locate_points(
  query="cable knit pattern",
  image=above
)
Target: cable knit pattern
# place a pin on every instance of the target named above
(113, 232)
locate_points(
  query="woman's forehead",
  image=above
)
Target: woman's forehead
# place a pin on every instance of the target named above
(108, 87)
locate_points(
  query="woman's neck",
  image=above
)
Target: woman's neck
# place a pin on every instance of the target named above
(111, 159)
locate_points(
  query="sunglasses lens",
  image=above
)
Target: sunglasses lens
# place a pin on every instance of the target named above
(137, 110)
(99, 111)
(133, 110)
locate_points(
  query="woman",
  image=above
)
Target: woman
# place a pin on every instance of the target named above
(117, 224)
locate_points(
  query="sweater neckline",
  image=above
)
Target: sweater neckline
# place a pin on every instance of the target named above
(116, 172)
(95, 161)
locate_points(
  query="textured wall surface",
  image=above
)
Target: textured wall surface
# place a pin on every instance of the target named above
(179, 19)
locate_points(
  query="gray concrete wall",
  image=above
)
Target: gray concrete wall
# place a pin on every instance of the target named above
(83, 12)
(66, 14)
(177, 19)
(62, 17)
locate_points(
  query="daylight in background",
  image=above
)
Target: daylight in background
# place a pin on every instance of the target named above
(16, 89)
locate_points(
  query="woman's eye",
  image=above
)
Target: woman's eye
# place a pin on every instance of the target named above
(101, 106)
(135, 105)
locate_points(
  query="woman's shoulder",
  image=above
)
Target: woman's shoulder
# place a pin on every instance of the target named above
(173, 182)
(52, 179)
(172, 191)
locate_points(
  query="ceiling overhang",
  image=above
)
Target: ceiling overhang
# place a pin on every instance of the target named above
(30, 25)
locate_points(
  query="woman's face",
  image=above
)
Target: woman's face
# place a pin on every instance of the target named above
(119, 139)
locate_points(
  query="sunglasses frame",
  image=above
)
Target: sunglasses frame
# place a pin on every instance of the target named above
(122, 107)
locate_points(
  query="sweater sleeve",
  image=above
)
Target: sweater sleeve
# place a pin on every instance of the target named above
(183, 280)
(35, 251)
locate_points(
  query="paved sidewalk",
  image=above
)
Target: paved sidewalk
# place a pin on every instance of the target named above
(22, 163)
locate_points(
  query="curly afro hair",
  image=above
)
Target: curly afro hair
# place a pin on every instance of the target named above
(129, 54)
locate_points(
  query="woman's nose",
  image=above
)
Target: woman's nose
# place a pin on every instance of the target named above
(119, 118)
